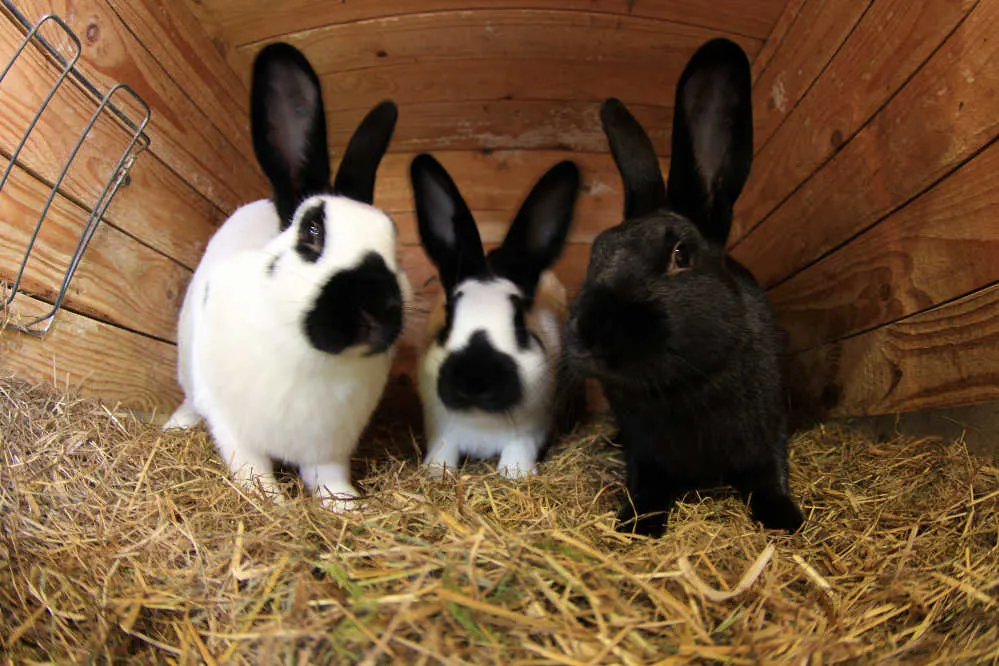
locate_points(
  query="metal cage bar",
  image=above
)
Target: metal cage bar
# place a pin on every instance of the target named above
(137, 142)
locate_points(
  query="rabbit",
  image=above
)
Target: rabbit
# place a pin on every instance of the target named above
(487, 371)
(680, 336)
(287, 330)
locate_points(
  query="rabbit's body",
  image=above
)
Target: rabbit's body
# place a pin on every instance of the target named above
(288, 327)
(680, 335)
(250, 227)
(520, 433)
(488, 370)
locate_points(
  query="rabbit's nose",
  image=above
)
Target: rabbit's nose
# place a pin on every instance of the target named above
(479, 377)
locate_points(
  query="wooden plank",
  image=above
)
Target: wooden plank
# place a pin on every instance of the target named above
(119, 280)
(182, 135)
(943, 357)
(97, 359)
(494, 184)
(500, 79)
(940, 246)
(505, 124)
(936, 122)
(889, 44)
(782, 26)
(819, 30)
(523, 34)
(242, 21)
(157, 207)
(177, 41)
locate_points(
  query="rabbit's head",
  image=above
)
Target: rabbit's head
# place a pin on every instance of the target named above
(660, 301)
(489, 355)
(334, 264)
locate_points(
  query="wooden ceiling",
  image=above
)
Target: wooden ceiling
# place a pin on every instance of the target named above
(490, 74)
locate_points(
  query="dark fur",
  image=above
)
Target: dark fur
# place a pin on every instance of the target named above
(362, 305)
(688, 358)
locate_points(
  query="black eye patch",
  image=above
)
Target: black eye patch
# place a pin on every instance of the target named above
(311, 234)
(520, 322)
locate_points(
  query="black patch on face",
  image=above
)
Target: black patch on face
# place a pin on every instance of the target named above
(312, 234)
(359, 306)
(479, 377)
(520, 323)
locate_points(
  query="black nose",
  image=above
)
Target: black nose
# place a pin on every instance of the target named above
(616, 329)
(479, 377)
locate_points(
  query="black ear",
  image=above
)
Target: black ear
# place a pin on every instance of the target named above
(356, 176)
(636, 159)
(537, 235)
(447, 229)
(289, 127)
(712, 137)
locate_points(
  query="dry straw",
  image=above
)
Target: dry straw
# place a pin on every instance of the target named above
(123, 544)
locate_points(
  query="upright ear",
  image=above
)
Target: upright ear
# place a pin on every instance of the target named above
(355, 178)
(636, 160)
(712, 137)
(289, 127)
(447, 229)
(537, 235)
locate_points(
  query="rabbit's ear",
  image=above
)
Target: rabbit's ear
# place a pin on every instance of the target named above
(538, 233)
(447, 229)
(712, 137)
(636, 160)
(289, 127)
(356, 176)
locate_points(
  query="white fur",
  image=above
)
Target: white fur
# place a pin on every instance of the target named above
(517, 436)
(246, 365)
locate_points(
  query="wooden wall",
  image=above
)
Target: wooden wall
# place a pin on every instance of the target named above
(115, 336)
(871, 212)
(868, 214)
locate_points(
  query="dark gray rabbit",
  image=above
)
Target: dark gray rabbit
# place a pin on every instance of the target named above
(680, 335)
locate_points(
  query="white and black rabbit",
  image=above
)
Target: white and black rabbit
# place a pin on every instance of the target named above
(487, 373)
(681, 336)
(289, 323)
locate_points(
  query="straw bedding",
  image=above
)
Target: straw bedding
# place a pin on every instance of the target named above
(120, 543)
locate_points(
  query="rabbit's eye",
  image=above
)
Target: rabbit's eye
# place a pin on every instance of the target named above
(312, 235)
(680, 259)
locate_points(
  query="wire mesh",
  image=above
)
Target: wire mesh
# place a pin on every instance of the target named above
(110, 104)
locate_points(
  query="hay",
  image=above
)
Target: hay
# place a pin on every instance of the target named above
(120, 543)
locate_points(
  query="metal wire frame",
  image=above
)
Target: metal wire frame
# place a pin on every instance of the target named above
(138, 141)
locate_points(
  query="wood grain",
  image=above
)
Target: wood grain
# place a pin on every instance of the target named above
(157, 207)
(942, 357)
(512, 125)
(119, 280)
(819, 29)
(891, 42)
(937, 248)
(500, 79)
(494, 185)
(97, 359)
(526, 35)
(183, 135)
(775, 39)
(243, 21)
(176, 40)
(939, 119)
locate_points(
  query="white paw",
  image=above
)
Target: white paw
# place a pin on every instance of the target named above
(185, 417)
(516, 471)
(340, 498)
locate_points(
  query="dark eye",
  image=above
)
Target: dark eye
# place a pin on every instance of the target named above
(680, 259)
(312, 235)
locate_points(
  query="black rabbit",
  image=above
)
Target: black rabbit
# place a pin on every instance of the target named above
(680, 335)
